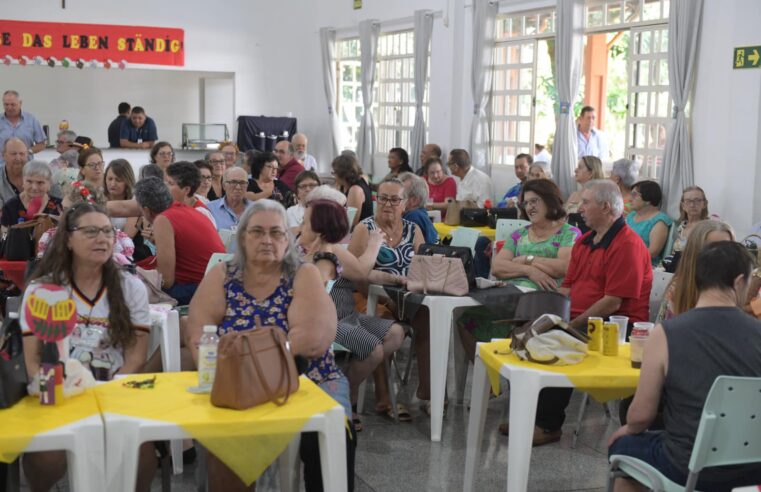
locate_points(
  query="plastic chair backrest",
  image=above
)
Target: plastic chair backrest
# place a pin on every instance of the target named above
(218, 258)
(434, 215)
(505, 227)
(661, 281)
(228, 238)
(351, 212)
(465, 237)
(728, 433)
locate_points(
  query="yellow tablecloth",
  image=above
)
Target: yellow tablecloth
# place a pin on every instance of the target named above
(247, 441)
(603, 377)
(27, 418)
(446, 230)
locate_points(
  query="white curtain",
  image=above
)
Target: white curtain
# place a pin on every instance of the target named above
(484, 17)
(684, 31)
(328, 49)
(568, 57)
(368, 44)
(423, 30)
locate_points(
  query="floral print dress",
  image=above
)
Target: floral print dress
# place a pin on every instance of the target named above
(242, 308)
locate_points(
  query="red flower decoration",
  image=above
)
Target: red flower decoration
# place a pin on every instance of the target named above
(84, 192)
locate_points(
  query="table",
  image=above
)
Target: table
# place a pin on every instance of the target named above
(74, 426)
(604, 378)
(247, 441)
(441, 310)
(446, 230)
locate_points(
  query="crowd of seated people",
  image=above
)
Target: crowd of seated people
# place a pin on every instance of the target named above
(288, 232)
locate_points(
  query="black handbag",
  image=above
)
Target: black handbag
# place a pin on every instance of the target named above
(13, 377)
(501, 213)
(19, 244)
(464, 254)
(474, 217)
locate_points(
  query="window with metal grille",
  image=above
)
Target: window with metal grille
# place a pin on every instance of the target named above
(394, 93)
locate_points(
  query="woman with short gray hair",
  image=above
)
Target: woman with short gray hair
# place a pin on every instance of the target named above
(185, 240)
(540, 170)
(266, 281)
(34, 200)
(624, 174)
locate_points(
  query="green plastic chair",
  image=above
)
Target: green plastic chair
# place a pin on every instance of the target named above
(728, 434)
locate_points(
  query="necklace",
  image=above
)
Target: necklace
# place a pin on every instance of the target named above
(391, 236)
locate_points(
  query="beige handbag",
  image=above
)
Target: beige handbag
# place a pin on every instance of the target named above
(453, 211)
(437, 274)
(253, 367)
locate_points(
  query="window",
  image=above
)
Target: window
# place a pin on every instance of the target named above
(522, 85)
(394, 96)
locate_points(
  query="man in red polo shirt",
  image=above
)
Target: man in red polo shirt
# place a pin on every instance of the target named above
(609, 274)
(290, 167)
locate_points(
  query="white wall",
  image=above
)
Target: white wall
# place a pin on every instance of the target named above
(727, 108)
(216, 40)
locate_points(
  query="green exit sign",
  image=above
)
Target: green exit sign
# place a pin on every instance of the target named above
(747, 57)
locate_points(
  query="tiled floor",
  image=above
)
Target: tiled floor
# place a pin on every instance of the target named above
(401, 457)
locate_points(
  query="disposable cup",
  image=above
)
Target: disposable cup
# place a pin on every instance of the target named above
(637, 345)
(622, 322)
(642, 328)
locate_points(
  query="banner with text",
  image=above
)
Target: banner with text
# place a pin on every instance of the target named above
(94, 44)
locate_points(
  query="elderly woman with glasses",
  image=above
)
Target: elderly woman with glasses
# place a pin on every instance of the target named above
(265, 184)
(91, 166)
(217, 161)
(267, 280)
(34, 200)
(305, 182)
(693, 208)
(162, 154)
(184, 239)
(110, 337)
(624, 174)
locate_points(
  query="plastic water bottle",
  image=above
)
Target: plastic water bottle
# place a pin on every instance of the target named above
(207, 357)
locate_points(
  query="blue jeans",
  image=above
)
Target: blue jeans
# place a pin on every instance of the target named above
(649, 448)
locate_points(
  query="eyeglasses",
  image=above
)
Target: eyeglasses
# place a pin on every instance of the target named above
(91, 232)
(636, 194)
(61, 142)
(236, 183)
(165, 154)
(228, 154)
(393, 200)
(206, 178)
(307, 186)
(259, 233)
(215, 162)
(530, 203)
(95, 165)
(694, 201)
(271, 166)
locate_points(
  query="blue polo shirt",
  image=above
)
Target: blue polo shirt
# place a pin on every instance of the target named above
(146, 133)
(27, 129)
(223, 215)
(513, 192)
(420, 217)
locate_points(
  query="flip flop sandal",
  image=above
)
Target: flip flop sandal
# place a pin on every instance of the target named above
(402, 412)
(357, 422)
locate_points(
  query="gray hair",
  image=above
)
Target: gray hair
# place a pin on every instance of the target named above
(11, 92)
(151, 170)
(394, 180)
(325, 192)
(291, 260)
(418, 188)
(153, 194)
(627, 170)
(13, 139)
(71, 156)
(37, 168)
(545, 166)
(68, 136)
(231, 170)
(606, 191)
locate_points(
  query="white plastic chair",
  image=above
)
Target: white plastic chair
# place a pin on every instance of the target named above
(727, 435)
(670, 239)
(505, 227)
(217, 258)
(350, 213)
(434, 215)
(465, 237)
(661, 280)
(228, 239)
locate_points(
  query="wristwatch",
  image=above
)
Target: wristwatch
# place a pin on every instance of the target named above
(530, 259)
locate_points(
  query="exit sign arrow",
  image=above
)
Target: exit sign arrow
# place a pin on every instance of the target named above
(747, 57)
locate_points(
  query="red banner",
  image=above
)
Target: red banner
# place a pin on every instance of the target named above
(57, 42)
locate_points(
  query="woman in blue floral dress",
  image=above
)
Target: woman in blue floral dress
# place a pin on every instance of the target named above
(267, 279)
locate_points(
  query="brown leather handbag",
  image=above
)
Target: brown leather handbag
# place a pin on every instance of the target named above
(437, 274)
(253, 367)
